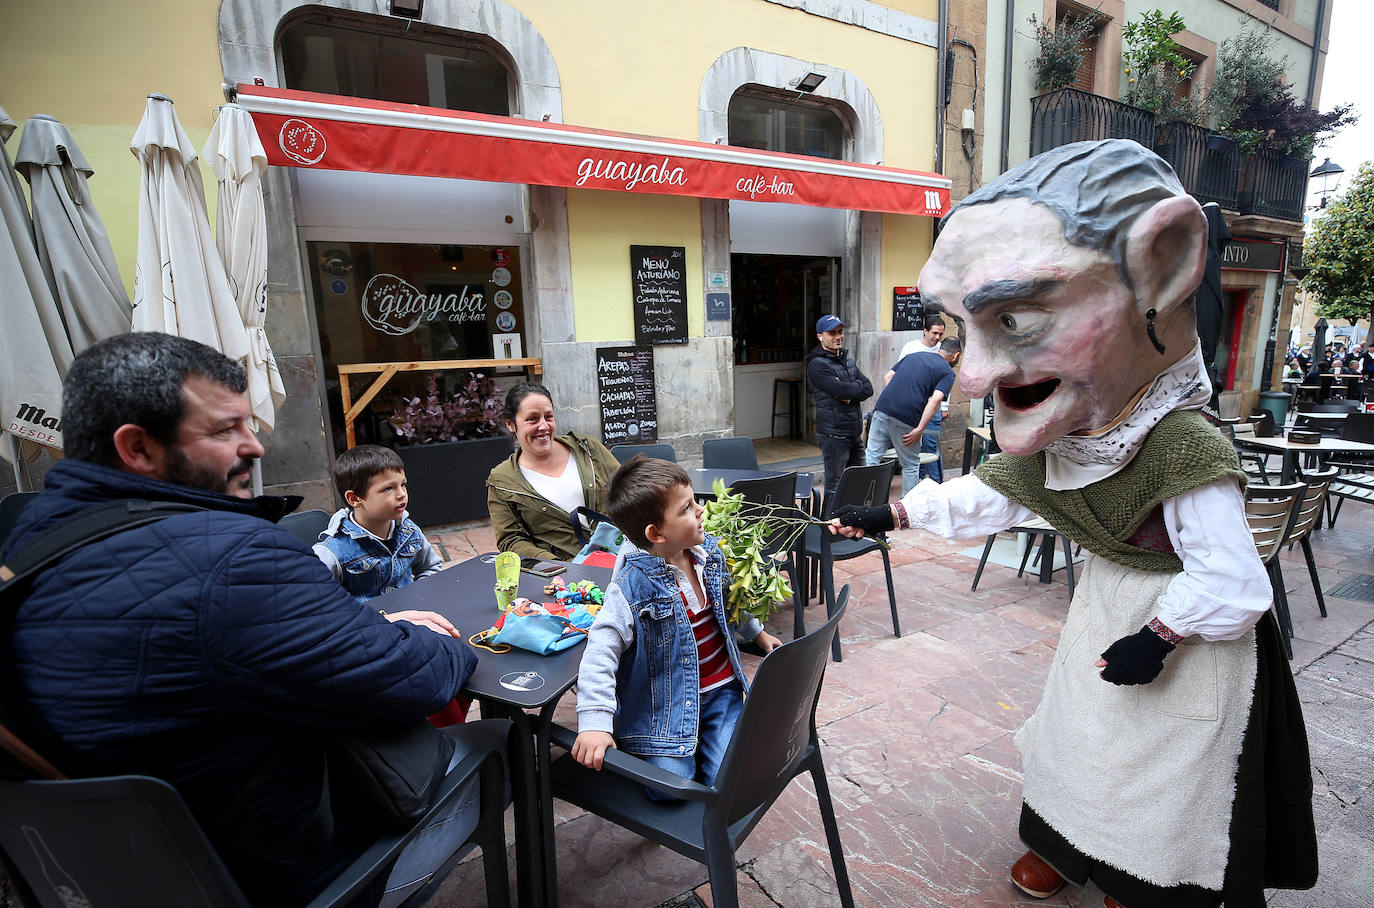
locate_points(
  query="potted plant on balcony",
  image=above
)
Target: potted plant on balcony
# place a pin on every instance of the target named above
(1255, 107)
(1155, 70)
(1063, 46)
(449, 440)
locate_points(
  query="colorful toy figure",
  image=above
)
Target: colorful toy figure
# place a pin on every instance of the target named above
(583, 592)
(1167, 760)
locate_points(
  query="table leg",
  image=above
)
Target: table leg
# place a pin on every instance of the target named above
(544, 760)
(1047, 558)
(1290, 460)
(530, 884)
(968, 450)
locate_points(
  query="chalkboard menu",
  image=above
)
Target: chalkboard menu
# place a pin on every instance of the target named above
(658, 275)
(625, 387)
(908, 314)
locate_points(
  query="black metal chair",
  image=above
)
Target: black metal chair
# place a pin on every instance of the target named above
(774, 742)
(1049, 537)
(733, 453)
(857, 486)
(782, 491)
(1307, 518)
(306, 525)
(130, 840)
(623, 453)
(10, 508)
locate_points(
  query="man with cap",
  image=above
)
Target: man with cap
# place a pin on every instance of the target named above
(839, 387)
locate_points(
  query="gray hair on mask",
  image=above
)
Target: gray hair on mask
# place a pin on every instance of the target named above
(1098, 189)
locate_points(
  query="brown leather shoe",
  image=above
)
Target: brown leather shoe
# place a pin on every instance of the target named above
(1109, 902)
(1034, 877)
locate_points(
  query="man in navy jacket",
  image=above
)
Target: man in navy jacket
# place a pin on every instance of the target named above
(201, 647)
(838, 388)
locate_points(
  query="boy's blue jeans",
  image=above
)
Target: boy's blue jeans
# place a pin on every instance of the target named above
(720, 711)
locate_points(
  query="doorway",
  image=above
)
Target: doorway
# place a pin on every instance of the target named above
(777, 300)
(1228, 345)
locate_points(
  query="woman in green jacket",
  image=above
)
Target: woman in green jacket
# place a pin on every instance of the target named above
(530, 496)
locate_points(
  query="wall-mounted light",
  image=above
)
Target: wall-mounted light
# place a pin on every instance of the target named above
(1330, 175)
(807, 83)
(407, 9)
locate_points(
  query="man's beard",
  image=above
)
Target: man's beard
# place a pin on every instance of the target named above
(180, 470)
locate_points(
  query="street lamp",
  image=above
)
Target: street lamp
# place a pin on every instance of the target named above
(1331, 178)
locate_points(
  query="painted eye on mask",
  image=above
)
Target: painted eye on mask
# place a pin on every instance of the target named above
(1023, 324)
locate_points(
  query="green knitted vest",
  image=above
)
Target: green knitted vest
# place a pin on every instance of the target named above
(1182, 453)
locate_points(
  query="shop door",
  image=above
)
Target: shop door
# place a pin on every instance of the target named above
(1228, 345)
(777, 300)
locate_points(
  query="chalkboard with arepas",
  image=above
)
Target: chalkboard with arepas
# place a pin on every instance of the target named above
(658, 278)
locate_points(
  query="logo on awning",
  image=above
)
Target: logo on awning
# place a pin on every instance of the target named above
(301, 142)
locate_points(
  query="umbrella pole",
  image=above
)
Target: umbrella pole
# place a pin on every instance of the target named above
(257, 477)
(15, 455)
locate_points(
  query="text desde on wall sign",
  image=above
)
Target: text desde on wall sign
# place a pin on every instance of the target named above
(761, 185)
(394, 306)
(630, 173)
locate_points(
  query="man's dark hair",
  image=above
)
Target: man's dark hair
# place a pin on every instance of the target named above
(517, 394)
(951, 345)
(355, 468)
(637, 494)
(135, 378)
(933, 320)
(1098, 189)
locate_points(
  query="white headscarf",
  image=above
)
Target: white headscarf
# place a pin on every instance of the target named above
(1079, 460)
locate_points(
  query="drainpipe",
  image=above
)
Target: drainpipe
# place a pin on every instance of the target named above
(941, 49)
(1006, 86)
(1316, 52)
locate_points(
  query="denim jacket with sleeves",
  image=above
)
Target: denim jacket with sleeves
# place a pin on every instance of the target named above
(368, 567)
(642, 641)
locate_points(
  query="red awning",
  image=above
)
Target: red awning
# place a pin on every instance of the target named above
(329, 132)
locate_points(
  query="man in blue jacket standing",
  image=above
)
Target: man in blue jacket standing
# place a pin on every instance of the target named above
(839, 387)
(205, 646)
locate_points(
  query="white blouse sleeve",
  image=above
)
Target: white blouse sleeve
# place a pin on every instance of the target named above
(1223, 590)
(962, 508)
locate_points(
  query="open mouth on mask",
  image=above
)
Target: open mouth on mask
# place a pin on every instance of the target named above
(1026, 397)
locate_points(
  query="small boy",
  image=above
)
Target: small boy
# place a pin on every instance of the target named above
(661, 667)
(371, 546)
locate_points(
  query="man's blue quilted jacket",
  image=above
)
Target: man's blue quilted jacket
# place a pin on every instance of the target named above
(193, 648)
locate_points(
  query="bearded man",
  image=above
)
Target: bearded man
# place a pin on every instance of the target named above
(1167, 760)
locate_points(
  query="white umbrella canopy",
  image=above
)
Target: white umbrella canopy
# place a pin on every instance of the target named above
(237, 157)
(71, 239)
(180, 286)
(34, 349)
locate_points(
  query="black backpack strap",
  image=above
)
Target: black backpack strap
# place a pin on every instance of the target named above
(87, 527)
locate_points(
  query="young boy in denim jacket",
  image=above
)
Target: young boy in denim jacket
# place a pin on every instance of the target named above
(371, 546)
(661, 669)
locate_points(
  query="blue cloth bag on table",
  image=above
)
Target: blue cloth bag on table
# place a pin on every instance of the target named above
(535, 628)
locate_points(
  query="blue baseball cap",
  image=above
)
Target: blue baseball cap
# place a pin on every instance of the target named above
(828, 323)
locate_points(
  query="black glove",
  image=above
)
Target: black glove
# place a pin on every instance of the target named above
(1137, 659)
(875, 519)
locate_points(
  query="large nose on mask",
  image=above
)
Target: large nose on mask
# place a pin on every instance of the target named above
(981, 369)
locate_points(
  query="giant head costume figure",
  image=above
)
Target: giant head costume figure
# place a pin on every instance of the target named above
(1073, 276)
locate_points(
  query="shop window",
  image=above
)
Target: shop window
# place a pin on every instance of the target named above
(378, 59)
(761, 120)
(404, 302)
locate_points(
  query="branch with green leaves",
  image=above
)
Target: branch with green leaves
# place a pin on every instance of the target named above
(747, 531)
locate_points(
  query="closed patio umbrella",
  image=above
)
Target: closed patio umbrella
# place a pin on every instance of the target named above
(180, 286)
(237, 157)
(34, 350)
(71, 239)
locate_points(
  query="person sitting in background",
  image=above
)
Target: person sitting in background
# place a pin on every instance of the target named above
(1314, 375)
(664, 613)
(372, 546)
(532, 495)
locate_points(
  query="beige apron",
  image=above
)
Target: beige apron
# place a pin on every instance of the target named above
(1140, 777)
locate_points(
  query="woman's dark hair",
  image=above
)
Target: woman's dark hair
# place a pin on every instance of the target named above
(517, 394)
(135, 378)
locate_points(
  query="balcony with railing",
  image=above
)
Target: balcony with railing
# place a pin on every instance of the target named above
(1207, 163)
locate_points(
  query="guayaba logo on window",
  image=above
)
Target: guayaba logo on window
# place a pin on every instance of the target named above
(394, 306)
(301, 142)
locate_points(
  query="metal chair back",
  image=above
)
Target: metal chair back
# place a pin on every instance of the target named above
(1269, 511)
(775, 490)
(1309, 509)
(306, 525)
(734, 453)
(623, 453)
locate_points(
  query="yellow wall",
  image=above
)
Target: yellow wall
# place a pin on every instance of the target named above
(906, 246)
(91, 64)
(603, 225)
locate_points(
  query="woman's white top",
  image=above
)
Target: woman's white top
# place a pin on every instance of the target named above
(564, 491)
(1223, 589)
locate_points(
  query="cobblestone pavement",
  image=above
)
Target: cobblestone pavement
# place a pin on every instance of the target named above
(917, 736)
